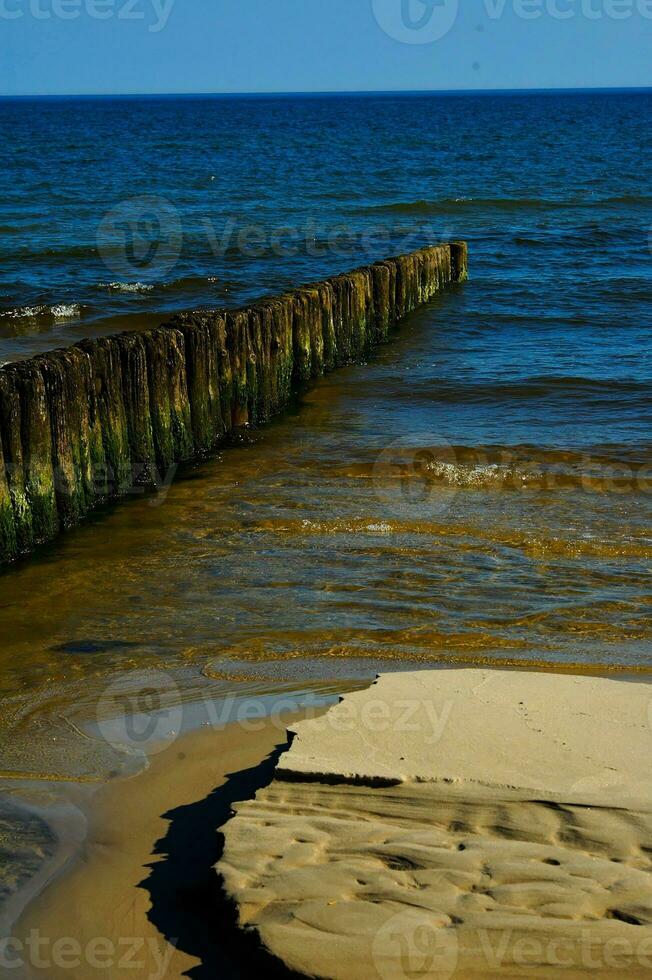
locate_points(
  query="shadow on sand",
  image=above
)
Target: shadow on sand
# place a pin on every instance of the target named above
(189, 907)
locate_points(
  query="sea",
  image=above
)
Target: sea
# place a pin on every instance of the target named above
(478, 493)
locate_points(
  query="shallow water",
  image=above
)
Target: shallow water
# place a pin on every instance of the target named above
(377, 520)
(479, 492)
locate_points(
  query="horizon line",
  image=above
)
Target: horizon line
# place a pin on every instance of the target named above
(330, 93)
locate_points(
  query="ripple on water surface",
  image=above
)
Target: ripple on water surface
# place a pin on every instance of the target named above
(479, 492)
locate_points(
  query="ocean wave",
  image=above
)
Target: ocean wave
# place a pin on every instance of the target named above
(34, 253)
(606, 469)
(441, 390)
(185, 284)
(59, 311)
(533, 543)
(189, 285)
(446, 205)
(127, 287)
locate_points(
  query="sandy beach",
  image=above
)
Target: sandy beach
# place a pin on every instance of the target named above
(440, 823)
(134, 902)
(456, 823)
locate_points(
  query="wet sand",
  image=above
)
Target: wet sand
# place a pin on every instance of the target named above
(139, 901)
(458, 823)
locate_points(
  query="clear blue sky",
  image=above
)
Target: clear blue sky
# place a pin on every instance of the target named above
(127, 46)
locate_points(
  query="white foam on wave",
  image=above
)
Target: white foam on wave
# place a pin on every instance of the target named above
(65, 311)
(470, 476)
(127, 287)
(60, 311)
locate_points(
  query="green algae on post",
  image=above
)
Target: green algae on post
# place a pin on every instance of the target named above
(8, 546)
(38, 458)
(12, 442)
(93, 422)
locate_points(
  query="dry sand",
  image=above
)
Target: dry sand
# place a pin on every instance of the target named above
(457, 823)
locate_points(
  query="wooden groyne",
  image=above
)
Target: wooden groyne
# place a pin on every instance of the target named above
(88, 424)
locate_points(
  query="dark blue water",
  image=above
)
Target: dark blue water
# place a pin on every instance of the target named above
(479, 492)
(111, 210)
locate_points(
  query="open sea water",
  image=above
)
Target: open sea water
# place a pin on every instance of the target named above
(478, 493)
